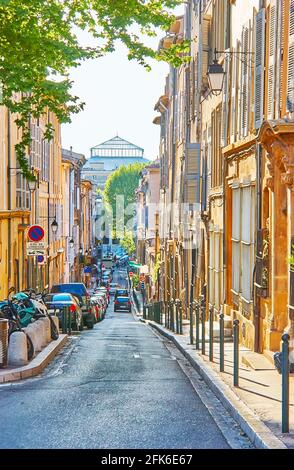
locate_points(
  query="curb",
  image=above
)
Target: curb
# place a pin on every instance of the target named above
(37, 365)
(259, 434)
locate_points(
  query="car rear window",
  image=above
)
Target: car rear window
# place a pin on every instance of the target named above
(123, 299)
(58, 298)
(78, 289)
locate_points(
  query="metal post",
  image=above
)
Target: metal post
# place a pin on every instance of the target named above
(197, 325)
(236, 353)
(69, 319)
(221, 343)
(177, 316)
(144, 312)
(181, 316)
(203, 326)
(191, 323)
(285, 383)
(211, 312)
(64, 320)
(172, 316)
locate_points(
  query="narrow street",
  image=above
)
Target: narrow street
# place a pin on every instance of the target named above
(117, 386)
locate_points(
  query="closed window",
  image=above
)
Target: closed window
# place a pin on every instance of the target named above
(243, 232)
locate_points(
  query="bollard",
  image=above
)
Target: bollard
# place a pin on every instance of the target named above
(191, 323)
(40, 335)
(221, 342)
(69, 320)
(64, 321)
(285, 383)
(177, 316)
(144, 312)
(197, 312)
(211, 312)
(236, 353)
(17, 349)
(203, 328)
(4, 326)
(172, 313)
(181, 316)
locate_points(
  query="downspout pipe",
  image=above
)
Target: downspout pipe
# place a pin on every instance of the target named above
(256, 298)
(9, 190)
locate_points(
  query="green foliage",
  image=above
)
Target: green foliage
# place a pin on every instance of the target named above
(128, 244)
(156, 269)
(123, 182)
(39, 44)
(291, 259)
(135, 280)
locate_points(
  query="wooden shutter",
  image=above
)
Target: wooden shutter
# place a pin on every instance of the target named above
(272, 60)
(290, 86)
(284, 32)
(225, 107)
(259, 67)
(233, 117)
(192, 76)
(205, 48)
(192, 176)
(244, 81)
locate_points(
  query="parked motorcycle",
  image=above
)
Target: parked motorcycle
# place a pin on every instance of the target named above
(9, 311)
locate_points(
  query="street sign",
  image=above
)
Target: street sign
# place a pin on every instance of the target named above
(36, 233)
(36, 248)
(131, 274)
(40, 259)
(142, 285)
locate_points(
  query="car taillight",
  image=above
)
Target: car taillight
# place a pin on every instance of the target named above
(129, 303)
(72, 308)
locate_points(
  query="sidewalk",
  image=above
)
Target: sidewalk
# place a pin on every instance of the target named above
(256, 404)
(36, 365)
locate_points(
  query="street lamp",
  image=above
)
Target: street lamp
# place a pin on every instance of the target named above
(54, 226)
(216, 77)
(81, 250)
(71, 243)
(32, 185)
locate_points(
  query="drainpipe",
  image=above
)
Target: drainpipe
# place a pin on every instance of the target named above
(9, 190)
(256, 298)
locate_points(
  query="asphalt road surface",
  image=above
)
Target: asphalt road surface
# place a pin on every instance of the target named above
(121, 386)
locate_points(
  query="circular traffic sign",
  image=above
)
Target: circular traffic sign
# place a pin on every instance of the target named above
(36, 233)
(131, 273)
(40, 258)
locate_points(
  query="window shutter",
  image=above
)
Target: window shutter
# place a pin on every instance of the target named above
(290, 87)
(225, 107)
(192, 78)
(244, 81)
(205, 49)
(272, 60)
(233, 97)
(192, 177)
(209, 164)
(259, 67)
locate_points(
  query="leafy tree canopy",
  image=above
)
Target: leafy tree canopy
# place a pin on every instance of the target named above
(39, 44)
(128, 244)
(122, 183)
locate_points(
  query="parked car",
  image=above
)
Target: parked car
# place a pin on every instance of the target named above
(121, 293)
(113, 286)
(102, 301)
(105, 291)
(122, 303)
(79, 290)
(98, 308)
(56, 302)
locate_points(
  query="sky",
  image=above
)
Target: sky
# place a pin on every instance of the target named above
(120, 96)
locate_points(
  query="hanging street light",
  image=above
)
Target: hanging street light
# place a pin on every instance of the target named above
(71, 243)
(216, 77)
(54, 226)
